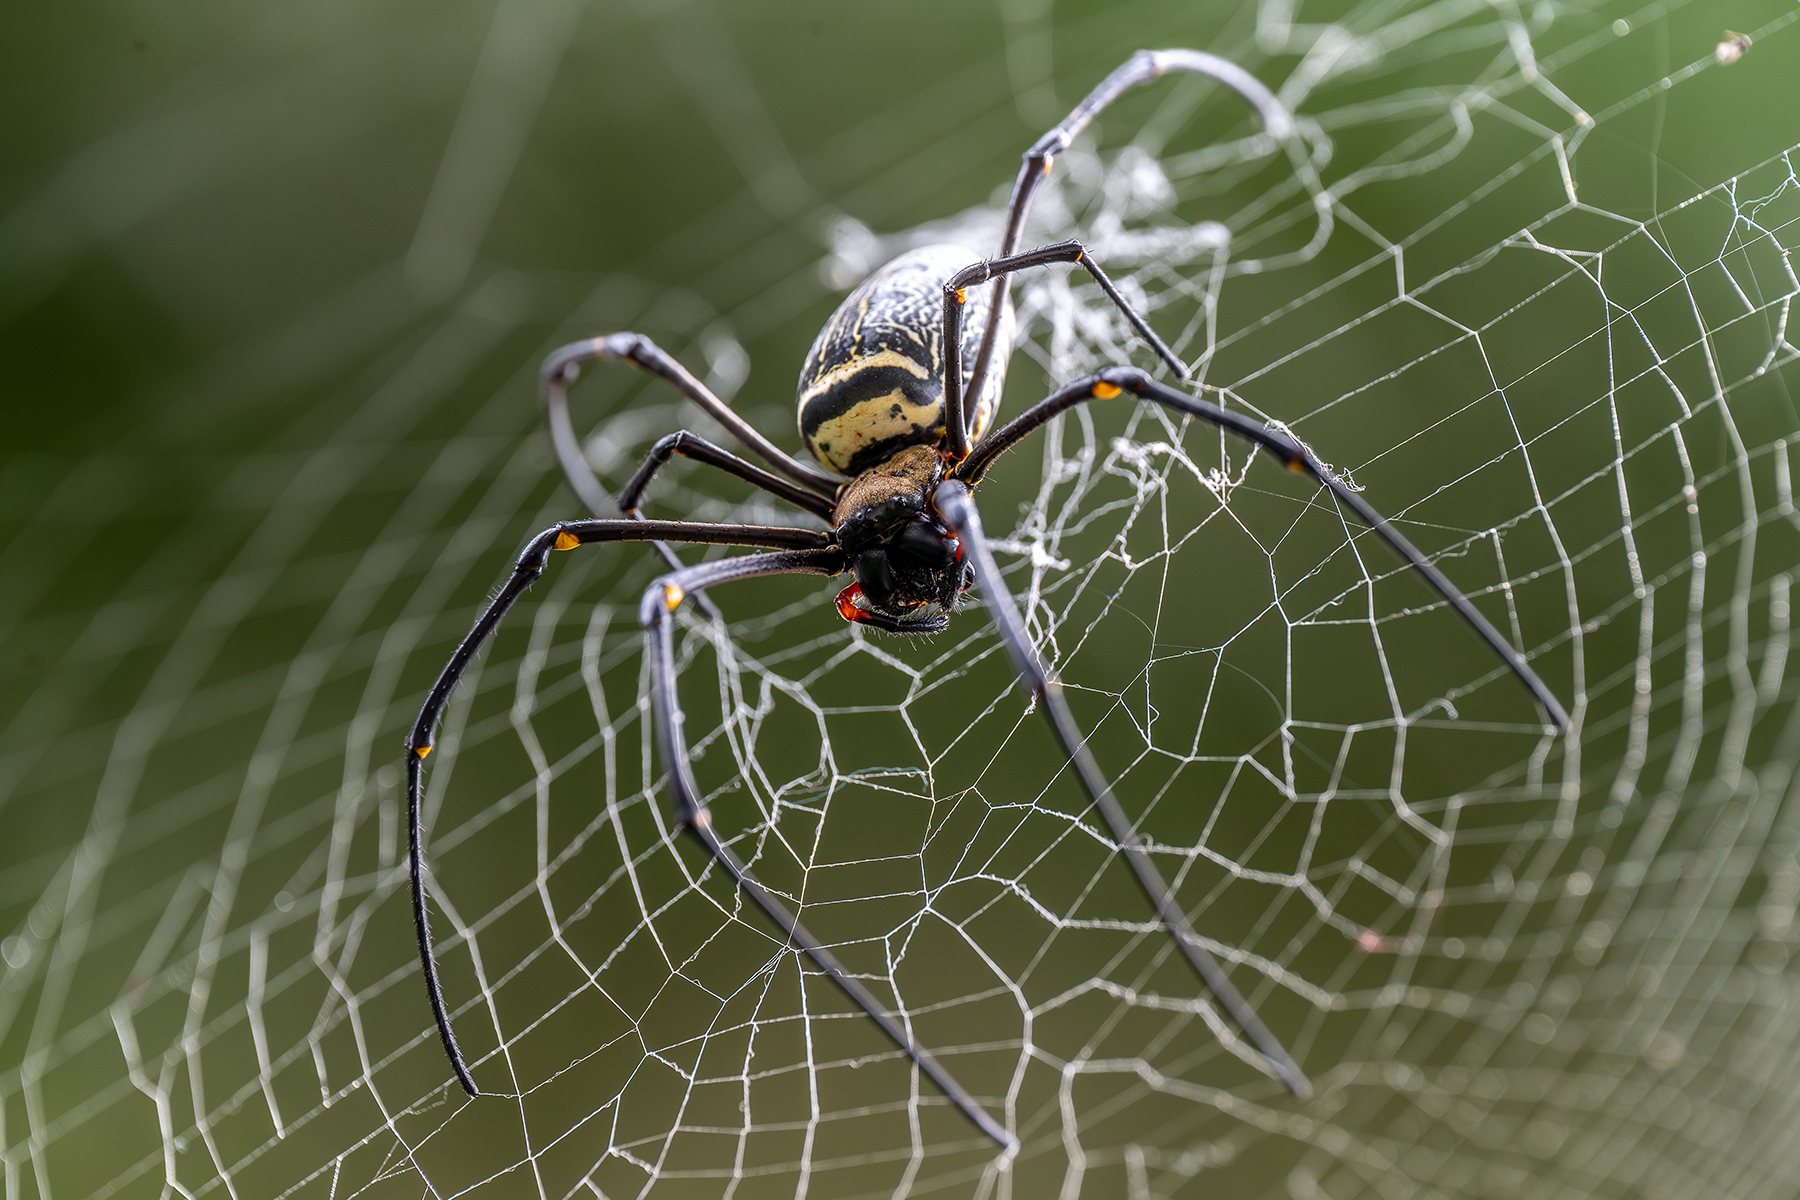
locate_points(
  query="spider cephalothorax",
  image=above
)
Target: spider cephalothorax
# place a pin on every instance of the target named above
(894, 401)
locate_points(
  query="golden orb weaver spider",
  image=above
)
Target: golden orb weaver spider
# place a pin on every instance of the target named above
(886, 404)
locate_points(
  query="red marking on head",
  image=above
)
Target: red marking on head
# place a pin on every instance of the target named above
(847, 605)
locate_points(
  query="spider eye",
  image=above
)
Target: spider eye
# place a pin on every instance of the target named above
(873, 522)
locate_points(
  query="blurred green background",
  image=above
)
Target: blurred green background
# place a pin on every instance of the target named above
(274, 284)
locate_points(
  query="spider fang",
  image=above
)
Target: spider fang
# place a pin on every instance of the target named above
(850, 604)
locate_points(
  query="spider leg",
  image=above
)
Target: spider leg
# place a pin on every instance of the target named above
(656, 613)
(1295, 455)
(563, 366)
(1143, 67)
(957, 507)
(564, 536)
(956, 431)
(690, 445)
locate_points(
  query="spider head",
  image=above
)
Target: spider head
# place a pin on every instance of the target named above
(898, 579)
(906, 560)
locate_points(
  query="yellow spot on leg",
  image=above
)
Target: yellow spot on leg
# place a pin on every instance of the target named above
(673, 596)
(1297, 465)
(567, 541)
(961, 296)
(1105, 391)
(422, 751)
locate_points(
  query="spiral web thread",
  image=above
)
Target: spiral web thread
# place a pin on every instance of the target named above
(1513, 966)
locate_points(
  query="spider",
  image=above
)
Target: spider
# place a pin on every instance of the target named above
(889, 409)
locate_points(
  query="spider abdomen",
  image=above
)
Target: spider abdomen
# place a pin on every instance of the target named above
(873, 383)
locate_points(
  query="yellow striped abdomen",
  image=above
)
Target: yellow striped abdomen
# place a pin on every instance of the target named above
(874, 381)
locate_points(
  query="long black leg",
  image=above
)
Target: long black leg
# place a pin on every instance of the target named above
(564, 536)
(957, 507)
(1295, 455)
(564, 365)
(690, 445)
(660, 602)
(1143, 67)
(693, 446)
(956, 428)
(561, 369)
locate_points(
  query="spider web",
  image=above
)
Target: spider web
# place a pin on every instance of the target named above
(1514, 965)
